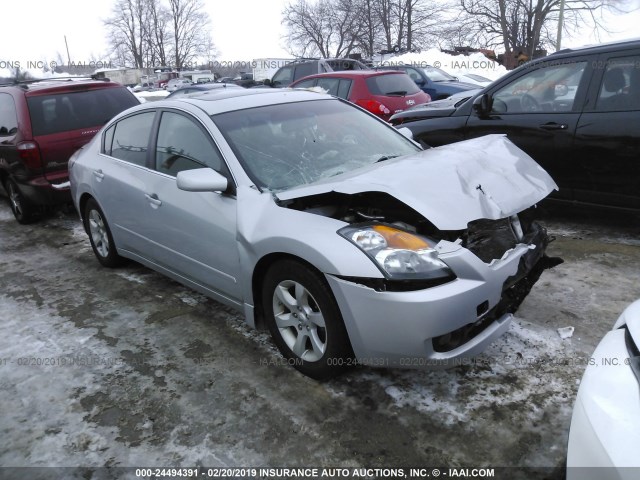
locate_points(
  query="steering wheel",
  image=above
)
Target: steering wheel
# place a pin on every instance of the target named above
(529, 104)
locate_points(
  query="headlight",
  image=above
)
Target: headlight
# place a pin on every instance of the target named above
(400, 255)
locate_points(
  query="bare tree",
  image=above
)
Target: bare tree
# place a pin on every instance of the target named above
(158, 30)
(526, 25)
(329, 28)
(145, 33)
(190, 31)
(127, 32)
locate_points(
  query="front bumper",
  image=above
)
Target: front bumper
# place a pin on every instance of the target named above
(440, 325)
(605, 426)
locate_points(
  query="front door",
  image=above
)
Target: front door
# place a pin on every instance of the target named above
(539, 111)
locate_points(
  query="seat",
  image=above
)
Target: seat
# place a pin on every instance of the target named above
(634, 88)
(613, 82)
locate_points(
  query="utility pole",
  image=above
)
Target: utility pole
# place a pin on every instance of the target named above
(68, 56)
(560, 25)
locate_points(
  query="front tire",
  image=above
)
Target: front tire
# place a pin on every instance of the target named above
(305, 321)
(100, 236)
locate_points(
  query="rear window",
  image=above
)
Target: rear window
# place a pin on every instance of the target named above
(341, 64)
(392, 85)
(67, 111)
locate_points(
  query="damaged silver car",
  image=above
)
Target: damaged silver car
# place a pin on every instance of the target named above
(320, 222)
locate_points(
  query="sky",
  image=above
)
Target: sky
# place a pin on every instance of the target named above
(242, 31)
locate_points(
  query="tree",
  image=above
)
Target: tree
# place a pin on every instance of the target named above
(333, 28)
(148, 33)
(190, 31)
(526, 25)
(327, 28)
(127, 33)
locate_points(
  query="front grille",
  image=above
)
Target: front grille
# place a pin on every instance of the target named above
(489, 239)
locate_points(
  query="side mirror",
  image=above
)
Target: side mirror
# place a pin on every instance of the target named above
(201, 180)
(267, 82)
(419, 81)
(482, 104)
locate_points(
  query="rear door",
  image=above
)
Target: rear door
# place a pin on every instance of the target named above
(118, 179)
(63, 122)
(608, 134)
(539, 111)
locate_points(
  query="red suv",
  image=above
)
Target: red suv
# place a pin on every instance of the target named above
(382, 93)
(41, 124)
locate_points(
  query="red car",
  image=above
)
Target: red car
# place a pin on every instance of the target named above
(41, 124)
(382, 93)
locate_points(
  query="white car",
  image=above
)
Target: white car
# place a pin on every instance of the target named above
(605, 427)
(176, 83)
(473, 78)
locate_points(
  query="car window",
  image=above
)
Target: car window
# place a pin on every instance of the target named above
(343, 88)
(183, 145)
(283, 77)
(131, 138)
(330, 85)
(436, 75)
(108, 140)
(304, 70)
(390, 85)
(306, 83)
(8, 116)
(413, 73)
(547, 89)
(620, 87)
(67, 111)
(291, 144)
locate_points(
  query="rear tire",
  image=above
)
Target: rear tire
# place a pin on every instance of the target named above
(22, 209)
(97, 228)
(305, 321)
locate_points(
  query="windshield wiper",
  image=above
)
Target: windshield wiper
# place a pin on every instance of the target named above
(400, 93)
(386, 157)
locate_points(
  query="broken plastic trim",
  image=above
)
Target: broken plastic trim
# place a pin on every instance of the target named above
(634, 353)
(386, 285)
(513, 294)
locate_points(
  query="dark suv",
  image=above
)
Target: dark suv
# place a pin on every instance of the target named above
(297, 69)
(41, 124)
(576, 112)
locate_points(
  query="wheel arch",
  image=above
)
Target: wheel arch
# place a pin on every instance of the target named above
(259, 272)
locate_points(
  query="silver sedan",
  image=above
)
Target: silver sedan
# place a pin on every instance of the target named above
(320, 222)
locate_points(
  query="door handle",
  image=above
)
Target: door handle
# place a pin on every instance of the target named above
(554, 126)
(153, 199)
(98, 174)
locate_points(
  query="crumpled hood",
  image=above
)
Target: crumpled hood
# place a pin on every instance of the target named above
(487, 177)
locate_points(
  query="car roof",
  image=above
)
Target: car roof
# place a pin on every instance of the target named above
(59, 85)
(352, 74)
(217, 101)
(601, 47)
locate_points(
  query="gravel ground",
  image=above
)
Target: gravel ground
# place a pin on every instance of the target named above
(126, 368)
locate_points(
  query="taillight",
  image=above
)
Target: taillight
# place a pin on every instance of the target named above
(29, 153)
(374, 107)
